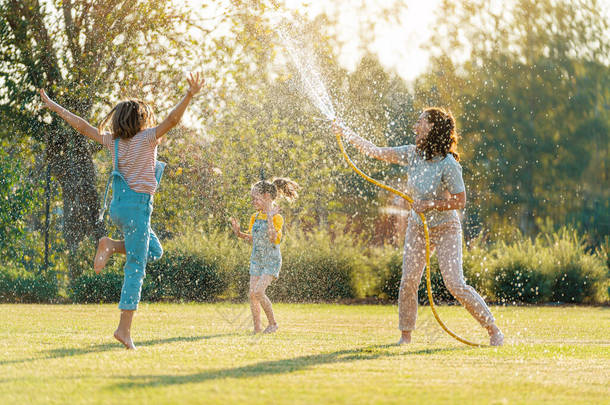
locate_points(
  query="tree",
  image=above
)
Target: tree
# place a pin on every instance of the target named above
(86, 54)
(21, 194)
(531, 83)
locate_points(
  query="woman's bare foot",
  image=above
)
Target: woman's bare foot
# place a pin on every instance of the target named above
(496, 337)
(105, 249)
(125, 339)
(271, 328)
(405, 338)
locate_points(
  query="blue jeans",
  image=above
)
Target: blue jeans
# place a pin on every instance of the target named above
(131, 212)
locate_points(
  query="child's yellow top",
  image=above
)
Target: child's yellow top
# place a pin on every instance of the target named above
(278, 222)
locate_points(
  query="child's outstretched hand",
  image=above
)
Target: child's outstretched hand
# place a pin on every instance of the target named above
(235, 225)
(195, 83)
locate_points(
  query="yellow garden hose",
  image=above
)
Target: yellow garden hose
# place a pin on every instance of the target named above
(423, 218)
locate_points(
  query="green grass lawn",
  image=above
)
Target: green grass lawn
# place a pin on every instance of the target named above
(203, 353)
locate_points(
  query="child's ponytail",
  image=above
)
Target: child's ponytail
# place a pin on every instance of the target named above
(286, 187)
(278, 187)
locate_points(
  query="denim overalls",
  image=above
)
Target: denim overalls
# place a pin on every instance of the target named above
(266, 257)
(131, 211)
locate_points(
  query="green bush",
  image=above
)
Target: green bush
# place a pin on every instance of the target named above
(572, 284)
(315, 267)
(183, 276)
(515, 281)
(20, 286)
(178, 276)
(226, 256)
(516, 277)
(554, 267)
(318, 268)
(603, 253)
(385, 267)
(574, 274)
(475, 262)
(97, 288)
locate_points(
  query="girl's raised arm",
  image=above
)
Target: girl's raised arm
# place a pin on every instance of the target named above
(74, 120)
(195, 83)
(387, 154)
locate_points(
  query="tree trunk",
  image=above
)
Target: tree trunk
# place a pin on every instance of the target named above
(72, 164)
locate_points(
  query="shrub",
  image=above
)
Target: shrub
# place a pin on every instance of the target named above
(318, 268)
(20, 286)
(574, 274)
(181, 275)
(516, 281)
(225, 256)
(321, 267)
(97, 288)
(603, 252)
(554, 267)
(572, 284)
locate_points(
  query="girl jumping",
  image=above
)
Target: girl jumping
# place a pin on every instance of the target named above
(266, 259)
(133, 141)
(437, 188)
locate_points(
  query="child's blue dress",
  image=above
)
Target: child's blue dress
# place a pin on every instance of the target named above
(266, 257)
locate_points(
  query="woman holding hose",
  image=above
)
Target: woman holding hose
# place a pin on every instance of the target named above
(436, 185)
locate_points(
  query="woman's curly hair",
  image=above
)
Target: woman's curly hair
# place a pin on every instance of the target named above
(442, 138)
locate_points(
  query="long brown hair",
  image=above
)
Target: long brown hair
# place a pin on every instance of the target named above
(278, 187)
(128, 118)
(442, 138)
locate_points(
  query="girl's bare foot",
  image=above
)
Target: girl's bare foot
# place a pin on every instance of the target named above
(105, 249)
(271, 328)
(125, 340)
(405, 338)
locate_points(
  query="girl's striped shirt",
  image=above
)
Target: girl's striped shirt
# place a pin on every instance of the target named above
(137, 158)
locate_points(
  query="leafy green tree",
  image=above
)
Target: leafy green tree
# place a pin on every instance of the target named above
(531, 99)
(20, 194)
(87, 55)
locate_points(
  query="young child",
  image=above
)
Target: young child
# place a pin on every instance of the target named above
(133, 142)
(266, 259)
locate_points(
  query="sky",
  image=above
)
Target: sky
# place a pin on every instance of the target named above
(398, 44)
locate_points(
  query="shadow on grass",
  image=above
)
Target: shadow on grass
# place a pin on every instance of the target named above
(78, 351)
(279, 366)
